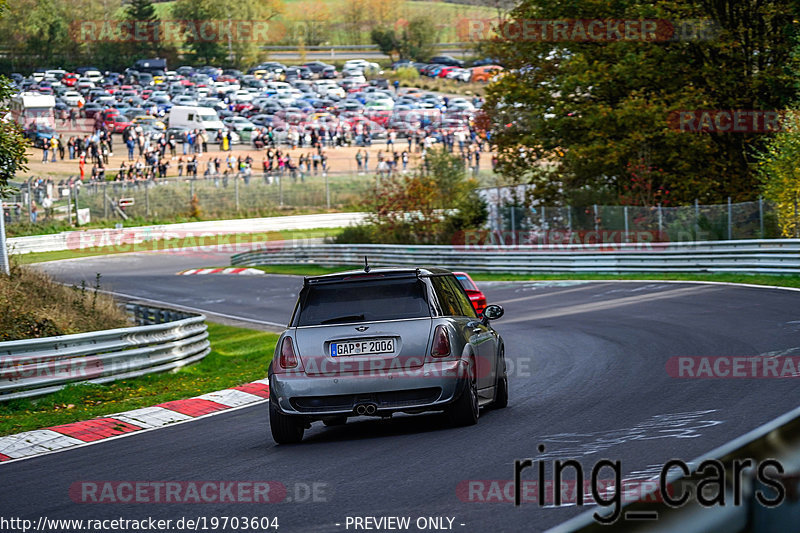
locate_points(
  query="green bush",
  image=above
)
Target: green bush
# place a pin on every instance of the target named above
(364, 234)
(406, 74)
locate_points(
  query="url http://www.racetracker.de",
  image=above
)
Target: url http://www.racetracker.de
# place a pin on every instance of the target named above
(199, 523)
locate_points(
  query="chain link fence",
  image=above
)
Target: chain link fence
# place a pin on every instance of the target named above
(745, 220)
(210, 197)
(269, 194)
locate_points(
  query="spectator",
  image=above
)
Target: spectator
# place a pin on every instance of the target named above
(34, 212)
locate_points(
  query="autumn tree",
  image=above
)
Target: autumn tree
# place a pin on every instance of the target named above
(229, 47)
(354, 16)
(779, 171)
(430, 206)
(415, 40)
(593, 108)
(310, 23)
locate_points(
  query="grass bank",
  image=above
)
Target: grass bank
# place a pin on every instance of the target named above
(33, 305)
(754, 279)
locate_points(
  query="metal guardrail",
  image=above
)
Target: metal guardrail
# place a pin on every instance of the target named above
(773, 256)
(77, 240)
(164, 339)
(777, 440)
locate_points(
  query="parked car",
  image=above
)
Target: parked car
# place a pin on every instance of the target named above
(449, 61)
(384, 341)
(484, 73)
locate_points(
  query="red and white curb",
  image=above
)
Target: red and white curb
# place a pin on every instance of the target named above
(230, 270)
(57, 438)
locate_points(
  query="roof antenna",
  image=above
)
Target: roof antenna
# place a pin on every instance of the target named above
(366, 264)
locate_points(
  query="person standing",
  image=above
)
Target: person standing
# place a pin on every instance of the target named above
(366, 161)
(82, 165)
(34, 212)
(359, 161)
(45, 151)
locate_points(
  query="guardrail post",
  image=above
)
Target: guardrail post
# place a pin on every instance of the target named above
(69, 205)
(596, 225)
(696, 219)
(3, 250)
(569, 218)
(513, 224)
(625, 214)
(75, 196)
(544, 219)
(796, 223)
(327, 191)
(29, 197)
(236, 187)
(730, 220)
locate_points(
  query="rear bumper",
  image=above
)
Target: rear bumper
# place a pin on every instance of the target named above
(430, 387)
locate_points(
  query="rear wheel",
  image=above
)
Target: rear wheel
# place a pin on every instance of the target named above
(501, 386)
(285, 429)
(465, 411)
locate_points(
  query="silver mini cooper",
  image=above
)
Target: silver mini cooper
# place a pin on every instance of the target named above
(377, 342)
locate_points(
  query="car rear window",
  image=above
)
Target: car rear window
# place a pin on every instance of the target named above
(363, 301)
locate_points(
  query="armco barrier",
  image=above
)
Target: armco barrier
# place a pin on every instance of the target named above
(774, 256)
(163, 340)
(68, 239)
(778, 440)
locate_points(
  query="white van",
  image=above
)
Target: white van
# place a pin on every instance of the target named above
(326, 87)
(95, 75)
(278, 87)
(192, 118)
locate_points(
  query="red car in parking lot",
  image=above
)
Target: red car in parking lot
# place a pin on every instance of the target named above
(476, 296)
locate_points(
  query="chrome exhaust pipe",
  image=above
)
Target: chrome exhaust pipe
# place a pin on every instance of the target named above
(371, 409)
(361, 409)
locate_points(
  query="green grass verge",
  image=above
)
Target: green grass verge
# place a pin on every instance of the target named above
(237, 356)
(754, 279)
(190, 241)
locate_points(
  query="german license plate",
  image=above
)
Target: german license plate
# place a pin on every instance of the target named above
(362, 347)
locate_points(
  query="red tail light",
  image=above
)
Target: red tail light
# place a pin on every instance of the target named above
(441, 342)
(287, 358)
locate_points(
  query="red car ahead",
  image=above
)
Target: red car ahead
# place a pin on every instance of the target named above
(477, 297)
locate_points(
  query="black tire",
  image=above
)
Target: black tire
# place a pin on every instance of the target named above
(285, 429)
(501, 385)
(338, 421)
(465, 411)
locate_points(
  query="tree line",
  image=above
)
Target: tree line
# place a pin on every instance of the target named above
(605, 118)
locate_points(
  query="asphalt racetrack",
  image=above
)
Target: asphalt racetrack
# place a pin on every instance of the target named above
(588, 380)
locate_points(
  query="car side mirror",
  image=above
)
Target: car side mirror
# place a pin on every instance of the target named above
(492, 312)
